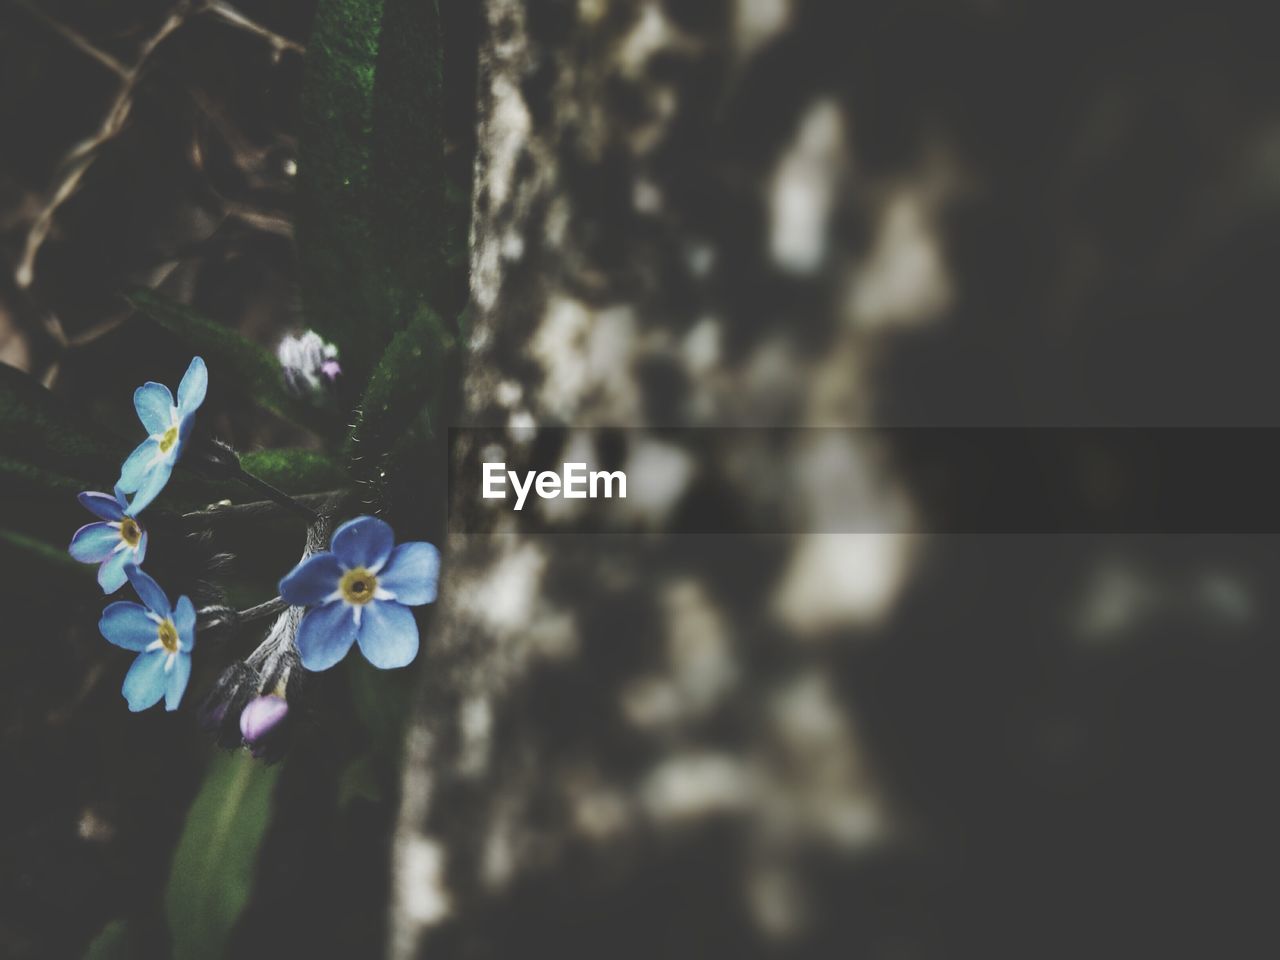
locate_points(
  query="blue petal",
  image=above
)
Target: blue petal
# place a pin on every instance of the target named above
(111, 574)
(153, 483)
(193, 386)
(140, 553)
(127, 625)
(184, 618)
(388, 634)
(412, 573)
(311, 581)
(146, 680)
(136, 467)
(125, 507)
(325, 635)
(178, 676)
(101, 505)
(149, 591)
(94, 542)
(185, 426)
(363, 542)
(154, 404)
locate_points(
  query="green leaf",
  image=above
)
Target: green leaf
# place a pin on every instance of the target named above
(29, 558)
(381, 699)
(42, 503)
(410, 379)
(295, 471)
(375, 212)
(30, 483)
(114, 942)
(214, 864)
(39, 429)
(359, 781)
(242, 363)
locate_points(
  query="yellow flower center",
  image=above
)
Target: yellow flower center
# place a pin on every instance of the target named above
(167, 634)
(169, 439)
(130, 532)
(358, 586)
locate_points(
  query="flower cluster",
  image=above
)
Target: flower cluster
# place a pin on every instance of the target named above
(358, 592)
(162, 634)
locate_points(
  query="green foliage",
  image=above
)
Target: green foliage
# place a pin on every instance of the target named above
(30, 562)
(115, 942)
(295, 471)
(231, 358)
(359, 780)
(214, 864)
(381, 699)
(37, 427)
(23, 478)
(374, 204)
(410, 380)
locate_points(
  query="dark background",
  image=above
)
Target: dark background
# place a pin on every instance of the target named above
(1073, 735)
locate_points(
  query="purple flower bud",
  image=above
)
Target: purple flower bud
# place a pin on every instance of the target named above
(260, 719)
(331, 369)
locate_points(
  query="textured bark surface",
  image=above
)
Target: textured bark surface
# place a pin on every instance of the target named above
(639, 746)
(766, 213)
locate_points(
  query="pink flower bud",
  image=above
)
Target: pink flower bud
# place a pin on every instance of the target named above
(260, 718)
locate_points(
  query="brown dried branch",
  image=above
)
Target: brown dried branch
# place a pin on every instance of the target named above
(231, 15)
(75, 39)
(81, 156)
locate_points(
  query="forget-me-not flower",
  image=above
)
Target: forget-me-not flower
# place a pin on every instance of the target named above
(162, 634)
(115, 542)
(168, 424)
(362, 591)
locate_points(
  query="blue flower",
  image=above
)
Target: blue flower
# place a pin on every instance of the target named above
(116, 542)
(148, 468)
(362, 590)
(162, 635)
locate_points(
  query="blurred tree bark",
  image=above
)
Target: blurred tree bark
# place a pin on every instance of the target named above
(641, 747)
(765, 212)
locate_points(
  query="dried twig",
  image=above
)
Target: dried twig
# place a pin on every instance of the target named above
(81, 156)
(217, 617)
(233, 16)
(259, 508)
(75, 39)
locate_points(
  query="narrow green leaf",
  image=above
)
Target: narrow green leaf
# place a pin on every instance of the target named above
(375, 214)
(25, 479)
(40, 429)
(25, 553)
(214, 864)
(243, 363)
(42, 503)
(296, 471)
(115, 942)
(381, 700)
(359, 781)
(410, 379)
(414, 203)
